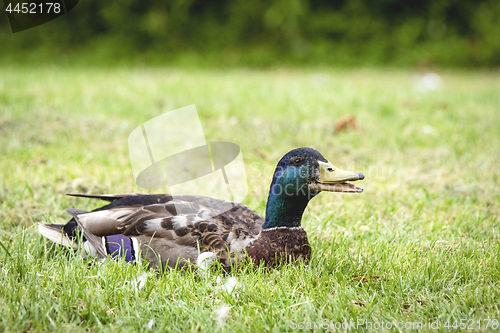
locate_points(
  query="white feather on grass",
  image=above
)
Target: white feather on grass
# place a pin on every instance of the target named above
(204, 261)
(222, 313)
(428, 81)
(230, 285)
(150, 324)
(140, 281)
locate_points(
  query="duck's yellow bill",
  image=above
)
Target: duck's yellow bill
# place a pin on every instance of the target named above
(333, 179)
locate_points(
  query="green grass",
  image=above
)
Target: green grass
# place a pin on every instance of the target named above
(427, 224)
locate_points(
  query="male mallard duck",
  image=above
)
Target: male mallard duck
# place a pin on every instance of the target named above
(175, 230)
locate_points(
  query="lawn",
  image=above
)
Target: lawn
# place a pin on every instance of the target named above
(420, 245)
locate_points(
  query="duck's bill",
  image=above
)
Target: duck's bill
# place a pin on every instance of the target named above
(333, 179)
(341, 187)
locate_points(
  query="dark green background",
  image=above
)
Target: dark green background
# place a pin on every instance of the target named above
(264, 33)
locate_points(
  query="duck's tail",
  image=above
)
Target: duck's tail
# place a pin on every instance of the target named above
(58, 233)
(100, 247)
(55, 233)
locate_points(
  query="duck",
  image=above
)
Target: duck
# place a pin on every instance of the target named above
(182, 231)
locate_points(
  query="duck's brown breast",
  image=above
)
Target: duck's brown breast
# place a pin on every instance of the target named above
(275, 245)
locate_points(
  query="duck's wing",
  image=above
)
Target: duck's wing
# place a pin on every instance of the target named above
(187, 220)
(173, 230)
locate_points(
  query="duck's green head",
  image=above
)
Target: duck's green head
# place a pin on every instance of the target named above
(299, 176)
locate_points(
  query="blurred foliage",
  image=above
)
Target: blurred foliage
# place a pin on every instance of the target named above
(263, 33)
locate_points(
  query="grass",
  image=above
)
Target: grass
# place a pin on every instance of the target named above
(421, 244)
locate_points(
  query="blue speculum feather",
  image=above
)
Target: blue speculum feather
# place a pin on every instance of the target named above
(119, 246)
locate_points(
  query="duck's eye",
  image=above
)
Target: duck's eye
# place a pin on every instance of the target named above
(297, 160)
(330, 169)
